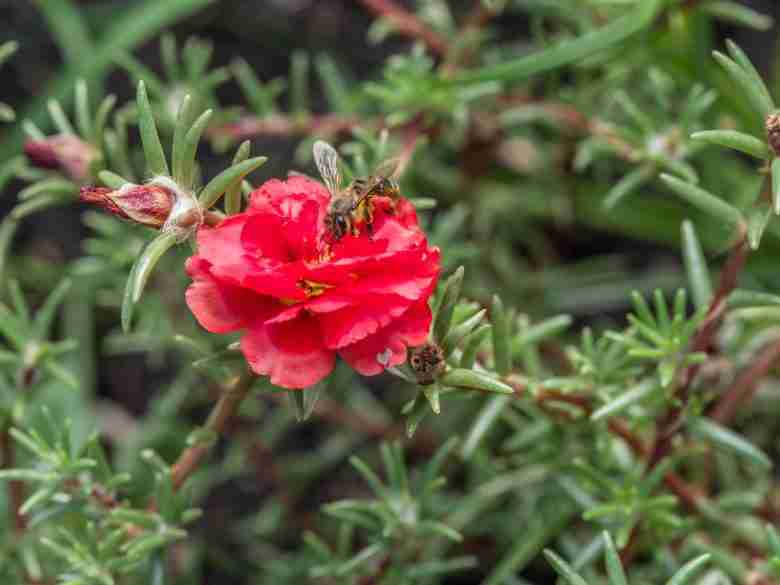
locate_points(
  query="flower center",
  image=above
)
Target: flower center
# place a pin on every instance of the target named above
(313, 289)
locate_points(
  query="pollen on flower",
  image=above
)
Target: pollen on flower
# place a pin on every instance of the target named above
(313, 289)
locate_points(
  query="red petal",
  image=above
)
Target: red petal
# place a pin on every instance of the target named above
(263, 236)
(291, 353)
(220, 307)
(222, 244)
(361, 319)
(390, 343)
(276, 192)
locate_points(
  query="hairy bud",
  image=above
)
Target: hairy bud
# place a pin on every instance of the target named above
(773, 132)
(427, 362)
(63, 152)
(149, 205)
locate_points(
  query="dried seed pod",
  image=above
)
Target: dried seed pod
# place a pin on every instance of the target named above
(427, 362)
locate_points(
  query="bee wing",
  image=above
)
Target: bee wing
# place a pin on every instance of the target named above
(390, 168)
(327, 160)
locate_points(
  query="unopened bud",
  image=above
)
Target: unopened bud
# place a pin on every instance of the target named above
(149, 205)
(63, 152)
(773, 132)
(427, 362)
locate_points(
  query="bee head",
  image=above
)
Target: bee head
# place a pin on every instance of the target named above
(337, 224)
(387, 187)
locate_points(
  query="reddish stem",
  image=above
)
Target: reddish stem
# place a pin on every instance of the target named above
(407, 23)
(16, 493)
(224, 410)
(326, 125)
(746, 384)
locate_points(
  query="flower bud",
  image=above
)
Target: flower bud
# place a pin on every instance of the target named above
(427, 362)
(149, 205)
(64, 152)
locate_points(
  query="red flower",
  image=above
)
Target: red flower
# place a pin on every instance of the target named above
(302, 298)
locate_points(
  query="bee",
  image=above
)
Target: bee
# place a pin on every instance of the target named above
(352, 204)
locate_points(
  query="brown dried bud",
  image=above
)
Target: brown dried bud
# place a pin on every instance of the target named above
(149, 205)
(64, 152)
(773, 132)
(427, 362)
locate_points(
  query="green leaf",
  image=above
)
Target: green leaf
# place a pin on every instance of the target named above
(261, 97)
(564, 569)
(101, 117)
(628, 184)
(748, 299)
(27, 475)
(776, 184)
(735, 140)
(744, 61)
(773, 540)
(228, 178)
(140, 273)
(45, 315)
(446, 305)
(549, 519)
(541, 331)
(112, 180)
(758, 218)
(7, 231)
(83, 116)
(730, 441)
(473, 380)
(501, 354)
(183, 121)
(748, 85)
(689, 570)
(706, 202)
(150, 139)
(610, 35)
(304, 401)
(233, 194)
(617, 576)
(625, 400)
(59, 118)
(696, 267)
(460, 331)
(190, 148)
(334, 85)
(299, 83)
(738, 14)
(471, 345)
(482, 424)
(54, 186)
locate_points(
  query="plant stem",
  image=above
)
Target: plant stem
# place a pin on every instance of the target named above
(702, 342)
(325, 125)
(746, 384)
(670, 422)
(407, 23)
(15, 487)
(226, 407)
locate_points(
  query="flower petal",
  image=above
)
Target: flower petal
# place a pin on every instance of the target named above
(291, 352)
(390, 343)
(220, 307)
